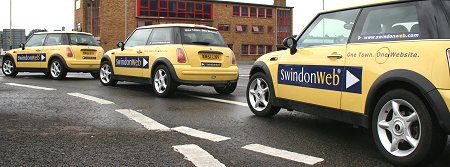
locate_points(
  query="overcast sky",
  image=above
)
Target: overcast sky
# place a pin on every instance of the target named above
(54, 14)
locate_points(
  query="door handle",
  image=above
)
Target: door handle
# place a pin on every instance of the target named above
(139, 51)
(38, 50)
(335, 56)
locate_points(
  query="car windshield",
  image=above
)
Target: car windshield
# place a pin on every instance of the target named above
(199, 36)
(81, 39)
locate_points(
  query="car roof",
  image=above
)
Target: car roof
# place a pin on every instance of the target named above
(64, 32)
(178, 25)
(366, 4)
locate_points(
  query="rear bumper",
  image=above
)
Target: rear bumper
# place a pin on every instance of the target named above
(440, 99)
(188, 75)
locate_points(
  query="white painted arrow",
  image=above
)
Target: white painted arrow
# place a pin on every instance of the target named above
(351, 80)
(145, 63)
(42, 57)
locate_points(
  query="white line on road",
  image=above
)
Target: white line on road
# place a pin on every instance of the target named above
(221, 100)
(29, 86)
(200, 134)
(310, 160)
(91, 98)
(147, 122)
(198, 156)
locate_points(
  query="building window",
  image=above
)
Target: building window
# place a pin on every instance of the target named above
(258, 29)
(241, 28)
(253, 12)
(261, 12)
(224, 27)
(175, 9)
(244, 49)
(270, 29)
(253, 49)
(244, 11)
(144, 23)
(284, 25)
(269, 48)
(269, 13)
(261, 49)
(236, 11)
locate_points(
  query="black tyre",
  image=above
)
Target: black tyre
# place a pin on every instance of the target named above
(225, 89)
(95, 75)
(9, 67)
(57, 69)
(404, 131)
(259, 96)
(106, 74)
(47, 74)
(163, 85)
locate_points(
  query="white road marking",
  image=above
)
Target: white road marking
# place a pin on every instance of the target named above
(200, 134)
(91, 98)
(310, 160)
(147, 122)
(221, 100)
(29, 86)
(198, 156)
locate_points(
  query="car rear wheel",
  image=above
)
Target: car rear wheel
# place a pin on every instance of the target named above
(163, 85)
(106, 74)
(260, 95)
(225, 89)
(9, 68)
(404, 131)
(57, 70)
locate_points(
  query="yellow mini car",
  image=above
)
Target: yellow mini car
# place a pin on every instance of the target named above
(55, 54)
(383, 66)
(170, 55)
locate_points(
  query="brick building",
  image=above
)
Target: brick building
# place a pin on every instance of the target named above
(249, 29)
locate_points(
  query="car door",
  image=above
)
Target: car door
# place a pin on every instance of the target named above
(315, 74)
(33, 55)
(52, 45)
(130, 61)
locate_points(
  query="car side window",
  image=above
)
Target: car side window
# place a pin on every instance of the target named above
(53, 39)
(329, 29)
(161, 36)
(388, 23)
(138, 38)
(36, 40)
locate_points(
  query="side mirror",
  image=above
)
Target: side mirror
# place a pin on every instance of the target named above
(290, 43)
(22, 45)
(121, 45)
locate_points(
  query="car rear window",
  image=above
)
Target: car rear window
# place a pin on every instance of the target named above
(81, 39)
(199, 36)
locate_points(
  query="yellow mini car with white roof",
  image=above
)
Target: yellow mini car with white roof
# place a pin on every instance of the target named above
(383, 66)
(170, 55)
(55, 54)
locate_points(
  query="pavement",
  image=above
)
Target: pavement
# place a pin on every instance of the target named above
(79, 122)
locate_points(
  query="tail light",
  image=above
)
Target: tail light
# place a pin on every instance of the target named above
(181, 57)
(69, 52)
(233, 60)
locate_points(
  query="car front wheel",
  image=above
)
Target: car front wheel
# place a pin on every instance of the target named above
(260, 96)
(106, 74)
(9, 68)
(404, 131)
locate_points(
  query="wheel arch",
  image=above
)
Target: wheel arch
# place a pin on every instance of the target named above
(410, 81)
(57, 56)
(105, 58)
(8, 55)
(166, 62)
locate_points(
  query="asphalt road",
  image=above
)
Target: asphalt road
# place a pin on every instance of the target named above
(52, 128)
